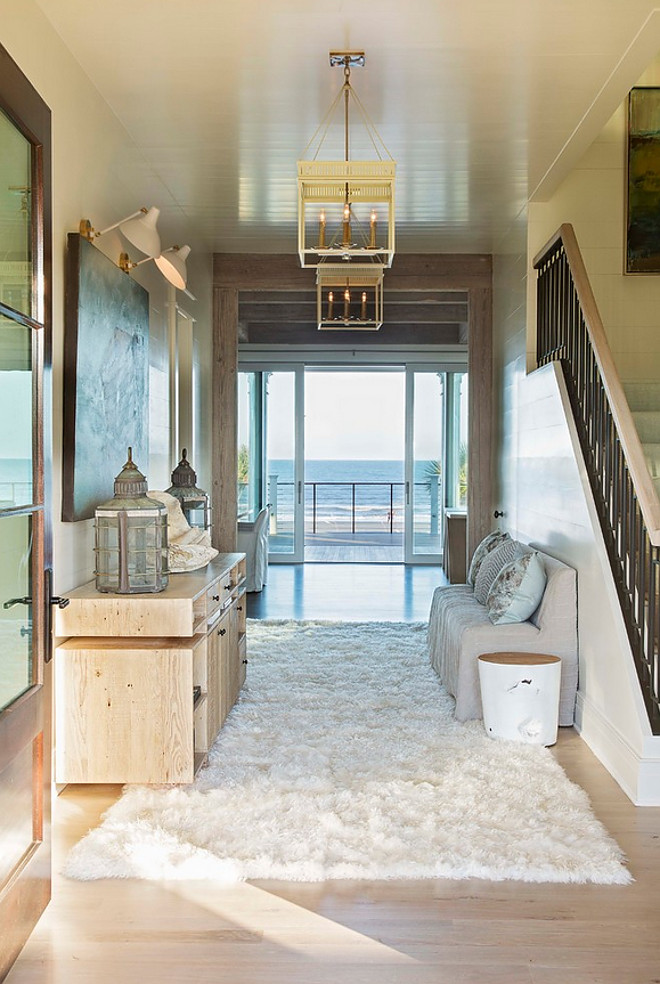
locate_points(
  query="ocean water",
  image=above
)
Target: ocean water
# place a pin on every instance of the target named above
(372, 490)
(15, 481)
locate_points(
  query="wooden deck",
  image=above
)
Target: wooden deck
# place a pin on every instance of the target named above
(333, 547)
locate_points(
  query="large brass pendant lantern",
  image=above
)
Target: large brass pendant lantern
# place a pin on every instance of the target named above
(131, 537)
(194, 502)
(346, 207)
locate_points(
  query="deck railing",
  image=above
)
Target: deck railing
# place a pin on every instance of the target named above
(570, 331)
(361, 506)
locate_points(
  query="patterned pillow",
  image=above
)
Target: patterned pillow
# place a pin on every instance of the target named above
(492, 564)
(489, 542)
(517, 590)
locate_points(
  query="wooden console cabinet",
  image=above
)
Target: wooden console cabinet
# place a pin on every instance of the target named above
(145, 682)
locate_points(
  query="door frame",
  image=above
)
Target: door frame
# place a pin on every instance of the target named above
(27, 720)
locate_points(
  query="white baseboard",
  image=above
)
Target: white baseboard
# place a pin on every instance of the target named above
(639, 777)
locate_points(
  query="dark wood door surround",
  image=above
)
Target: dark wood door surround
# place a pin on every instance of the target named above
(25, 724)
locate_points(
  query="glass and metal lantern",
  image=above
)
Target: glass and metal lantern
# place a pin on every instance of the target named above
(346, 207)
(194, 502)
(131, 537)
(349, 297)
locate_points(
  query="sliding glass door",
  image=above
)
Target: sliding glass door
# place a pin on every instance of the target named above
(358, 509)
(425, 464)
(284, 463)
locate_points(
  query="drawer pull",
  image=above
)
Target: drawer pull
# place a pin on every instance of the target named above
(222, 631)
(215, 597)
(229, 586)
(244, 662)
(239, 608)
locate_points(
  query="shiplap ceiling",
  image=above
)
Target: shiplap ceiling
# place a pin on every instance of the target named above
(481, 102)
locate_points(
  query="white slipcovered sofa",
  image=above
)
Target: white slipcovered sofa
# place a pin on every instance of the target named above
(460, 630)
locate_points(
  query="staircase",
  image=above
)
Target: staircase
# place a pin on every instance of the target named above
(644, 403)
(618, 428)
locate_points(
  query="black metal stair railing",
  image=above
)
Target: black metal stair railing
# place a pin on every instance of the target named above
(569, 331)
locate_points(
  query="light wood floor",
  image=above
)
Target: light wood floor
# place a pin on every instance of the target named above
(424, 932)
(428, 932)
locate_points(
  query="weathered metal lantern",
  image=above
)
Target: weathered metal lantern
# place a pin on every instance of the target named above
(194, 502)
(131, 537)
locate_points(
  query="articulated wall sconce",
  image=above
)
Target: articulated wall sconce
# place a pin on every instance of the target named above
(171, 263)
(139, 229)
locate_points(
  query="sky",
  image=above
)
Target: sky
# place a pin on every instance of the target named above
(354, 414)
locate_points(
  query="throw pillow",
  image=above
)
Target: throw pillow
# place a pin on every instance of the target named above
(492, 564)
(517, 590)
(489, 542)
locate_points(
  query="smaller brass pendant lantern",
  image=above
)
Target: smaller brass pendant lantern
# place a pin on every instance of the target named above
(131, 537)
(194, 502)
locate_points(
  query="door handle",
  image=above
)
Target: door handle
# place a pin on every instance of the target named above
(51, 600)
(299, 492)
(16, 601)
(407, 493)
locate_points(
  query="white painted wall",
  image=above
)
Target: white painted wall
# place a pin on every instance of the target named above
(98, 173)
(593, 199)
(540, 482)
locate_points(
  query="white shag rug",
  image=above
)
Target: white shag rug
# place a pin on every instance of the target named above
(342, 760)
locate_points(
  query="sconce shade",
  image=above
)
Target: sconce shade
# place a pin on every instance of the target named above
(172, 265)
(194, 502)
(131, 537)
(142, 232)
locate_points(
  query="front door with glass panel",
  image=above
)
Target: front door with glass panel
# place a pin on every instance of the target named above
(284, 463)
(24, 524)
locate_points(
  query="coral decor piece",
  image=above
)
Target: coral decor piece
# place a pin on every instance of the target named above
(342, 760)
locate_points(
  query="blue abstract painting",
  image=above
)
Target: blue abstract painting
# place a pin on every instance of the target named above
(106, 377)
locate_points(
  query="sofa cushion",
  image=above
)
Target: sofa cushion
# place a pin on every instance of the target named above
(517, 590)
(489, 542)
(492, 564)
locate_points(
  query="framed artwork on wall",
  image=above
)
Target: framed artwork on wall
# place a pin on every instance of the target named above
(106, 377)
(643, 211)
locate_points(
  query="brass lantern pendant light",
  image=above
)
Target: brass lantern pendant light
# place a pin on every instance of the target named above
(346, 207)
(131, 537)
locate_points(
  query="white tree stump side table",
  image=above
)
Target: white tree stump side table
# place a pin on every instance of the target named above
(520, 696)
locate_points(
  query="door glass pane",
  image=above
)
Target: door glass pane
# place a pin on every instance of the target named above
(15, 415)
(16, 672)
(427, 463)
(15, 218)
(280, 459)
(457, 439)
(249, 445)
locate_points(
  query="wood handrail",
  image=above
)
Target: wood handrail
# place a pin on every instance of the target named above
(647, 496)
